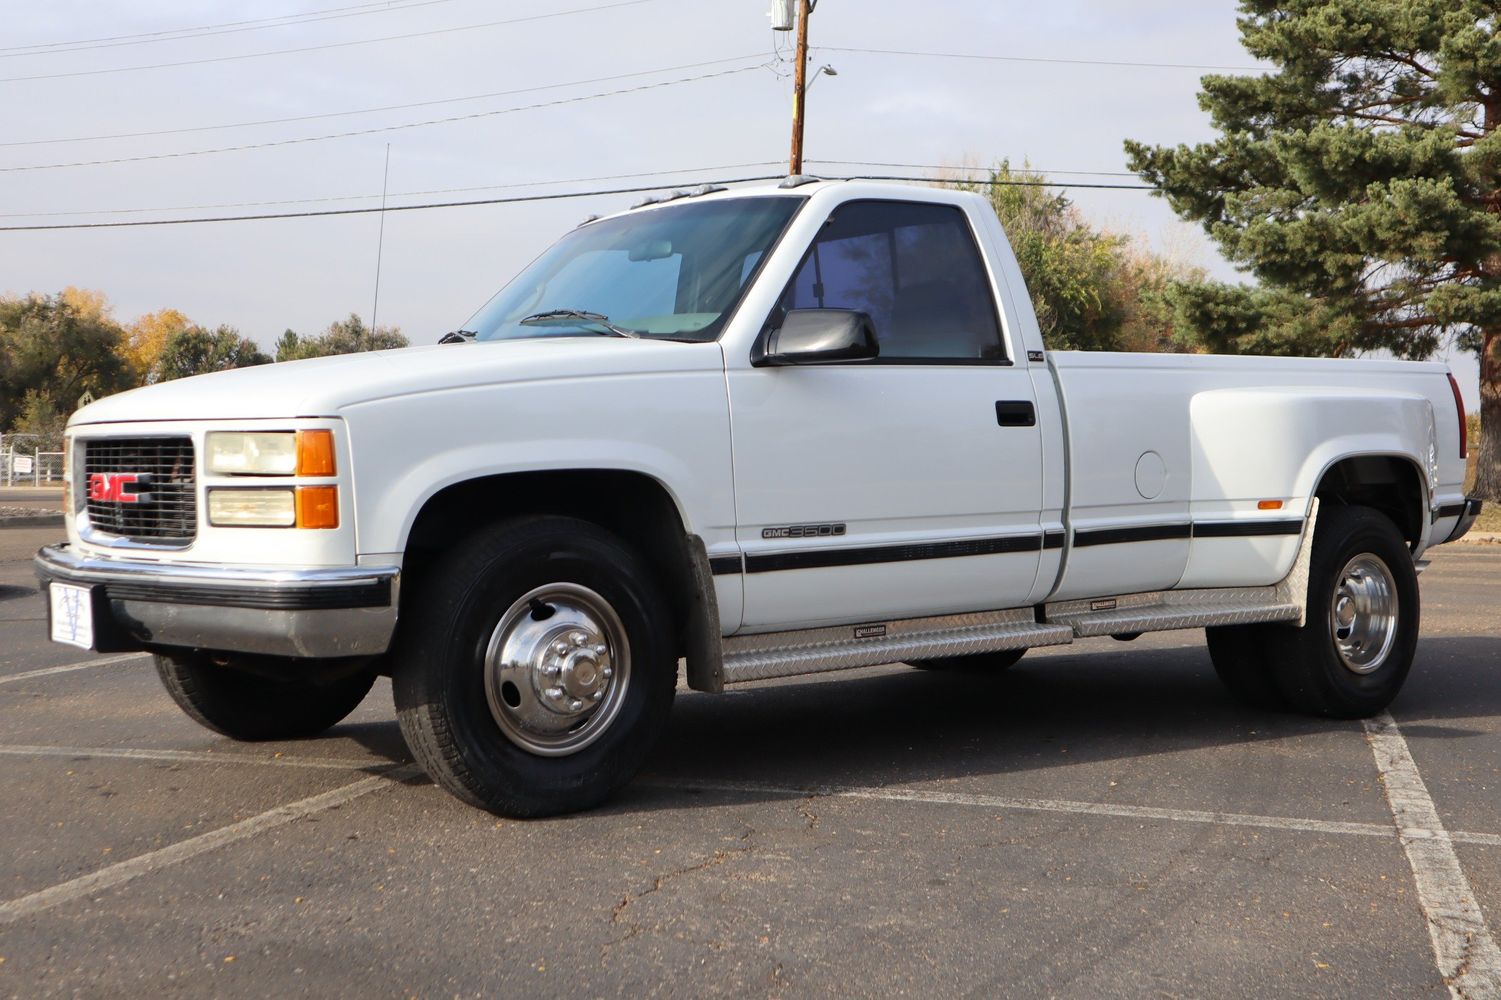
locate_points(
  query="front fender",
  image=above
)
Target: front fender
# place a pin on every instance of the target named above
(673, 427)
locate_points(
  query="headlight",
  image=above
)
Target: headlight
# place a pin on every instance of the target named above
(270, 453)
(236, 453)
(252, 508)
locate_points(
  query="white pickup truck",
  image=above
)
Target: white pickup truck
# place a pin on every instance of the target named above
(763, 432)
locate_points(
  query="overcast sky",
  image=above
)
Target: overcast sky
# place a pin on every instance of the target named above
(438, 266)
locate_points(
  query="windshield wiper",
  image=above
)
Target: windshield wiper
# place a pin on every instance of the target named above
(457, 337)
(598, 319)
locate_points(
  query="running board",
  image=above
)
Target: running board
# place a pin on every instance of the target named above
(843, 647)
(1165, 610)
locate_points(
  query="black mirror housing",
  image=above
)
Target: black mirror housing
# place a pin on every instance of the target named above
(821, 336)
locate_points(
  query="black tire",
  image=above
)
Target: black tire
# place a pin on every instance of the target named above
(1311, 673)
(1240, 657)
(444, 699)
(254, 707)
(977, 663)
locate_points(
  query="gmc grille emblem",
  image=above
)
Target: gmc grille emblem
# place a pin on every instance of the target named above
(118, 487)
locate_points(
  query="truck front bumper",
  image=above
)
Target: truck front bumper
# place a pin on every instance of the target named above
(319, 613)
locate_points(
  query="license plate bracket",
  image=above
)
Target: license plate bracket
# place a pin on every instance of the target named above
(80, 615)
(70, 614)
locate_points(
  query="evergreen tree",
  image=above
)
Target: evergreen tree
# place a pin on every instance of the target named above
(1360, 182)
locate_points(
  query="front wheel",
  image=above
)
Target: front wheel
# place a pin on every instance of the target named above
(536, 668)
(1351, 658)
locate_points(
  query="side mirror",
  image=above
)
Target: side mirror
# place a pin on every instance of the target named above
(821, 336)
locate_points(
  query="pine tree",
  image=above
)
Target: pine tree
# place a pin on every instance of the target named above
(1360, 182)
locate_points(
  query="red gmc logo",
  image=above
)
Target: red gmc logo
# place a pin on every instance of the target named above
(110, 487)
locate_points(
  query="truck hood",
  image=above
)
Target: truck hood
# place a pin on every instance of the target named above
(323, 387)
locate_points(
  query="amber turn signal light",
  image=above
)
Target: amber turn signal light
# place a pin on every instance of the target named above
(315, 453)
(317, 506)
(1269, 505)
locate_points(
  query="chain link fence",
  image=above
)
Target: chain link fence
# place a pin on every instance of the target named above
(22, 465)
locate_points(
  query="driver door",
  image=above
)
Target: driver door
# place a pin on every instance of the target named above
(905, 485)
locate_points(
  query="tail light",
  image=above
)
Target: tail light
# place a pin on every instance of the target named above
(1464, 429)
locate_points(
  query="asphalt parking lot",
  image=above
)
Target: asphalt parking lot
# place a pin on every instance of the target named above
(1100, 821)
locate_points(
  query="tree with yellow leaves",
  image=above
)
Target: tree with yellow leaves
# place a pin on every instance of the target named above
(145, 338)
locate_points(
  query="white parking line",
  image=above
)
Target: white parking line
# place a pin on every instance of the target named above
(1468, 958)
(1082, 808)
(194, 757)
(887, 794)
(153, 861)
(69, 668)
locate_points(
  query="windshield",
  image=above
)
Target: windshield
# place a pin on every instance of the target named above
(672, 272)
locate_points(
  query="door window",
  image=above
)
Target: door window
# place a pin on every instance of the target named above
(914, 269)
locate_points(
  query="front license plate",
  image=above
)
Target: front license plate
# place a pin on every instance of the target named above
(72, 615)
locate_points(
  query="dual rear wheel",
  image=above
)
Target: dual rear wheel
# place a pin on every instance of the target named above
(1353, 654)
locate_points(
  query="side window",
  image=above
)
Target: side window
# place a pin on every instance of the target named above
(915, 269)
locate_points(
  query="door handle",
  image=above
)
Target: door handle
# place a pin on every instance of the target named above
(1015, 413)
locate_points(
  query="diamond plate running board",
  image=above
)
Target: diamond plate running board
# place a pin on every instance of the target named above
(1164, 610)
(1168, 610)
(843, 647)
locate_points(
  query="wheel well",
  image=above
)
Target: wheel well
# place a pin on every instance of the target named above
(634, 506)
(1386, 483)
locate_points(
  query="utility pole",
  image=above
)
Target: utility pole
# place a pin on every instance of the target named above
(800, 86)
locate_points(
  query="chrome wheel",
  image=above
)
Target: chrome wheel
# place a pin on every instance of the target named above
(1363, 613)
(557, 669)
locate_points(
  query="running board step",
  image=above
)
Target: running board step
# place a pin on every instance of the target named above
(1160, 612)
(811, 651)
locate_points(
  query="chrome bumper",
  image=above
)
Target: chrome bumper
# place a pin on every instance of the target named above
(320, 613)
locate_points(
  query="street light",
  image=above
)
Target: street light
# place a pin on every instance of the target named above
(824, 70)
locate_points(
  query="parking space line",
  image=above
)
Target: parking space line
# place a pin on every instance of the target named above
(153, 861)
(193, 757)
(1122, 811)
(69, 668)
(1468, 958)
(888, 794)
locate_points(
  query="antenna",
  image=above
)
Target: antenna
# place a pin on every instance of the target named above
(380, 244)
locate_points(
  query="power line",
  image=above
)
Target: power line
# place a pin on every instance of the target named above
(382, 128)
(369, 111)
(327, 199)
(328, 45)
(951, 166)
(367, 211)
(518, 199)
(998, 182)
(1041, 59)
(208, 30)
(394, 194)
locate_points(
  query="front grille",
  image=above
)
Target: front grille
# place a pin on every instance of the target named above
(167, 512)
